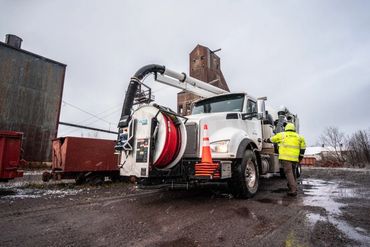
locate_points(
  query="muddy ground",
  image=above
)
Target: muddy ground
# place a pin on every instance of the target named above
(332, 209)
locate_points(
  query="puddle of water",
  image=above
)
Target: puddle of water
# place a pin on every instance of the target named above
(357, 233)
(351, 231)
(313, 218)
(323, 194)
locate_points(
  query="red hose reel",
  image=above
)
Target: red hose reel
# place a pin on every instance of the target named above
(172, 143)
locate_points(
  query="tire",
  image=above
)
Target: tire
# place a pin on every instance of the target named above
(96, 180)
(46, 176)
(245, 176)
(115, 178)
(80, 179)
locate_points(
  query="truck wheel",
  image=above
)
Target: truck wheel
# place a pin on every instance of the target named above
(98, 180)
(80, 179)
(94, 180)
(115, 178)
(46, 176)
(245, 179)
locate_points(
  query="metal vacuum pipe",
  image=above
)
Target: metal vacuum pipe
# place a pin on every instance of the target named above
(193, 81)
(132, 88)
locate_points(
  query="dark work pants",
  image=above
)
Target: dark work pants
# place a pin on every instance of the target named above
(290, 175)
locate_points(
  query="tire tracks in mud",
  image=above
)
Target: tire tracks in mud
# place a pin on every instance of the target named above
(103, 201)
(278, 233)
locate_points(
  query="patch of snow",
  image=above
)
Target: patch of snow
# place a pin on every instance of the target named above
(32, 173)
(23, 193)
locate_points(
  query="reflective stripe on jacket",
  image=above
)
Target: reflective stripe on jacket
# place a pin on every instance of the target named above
(290, 144)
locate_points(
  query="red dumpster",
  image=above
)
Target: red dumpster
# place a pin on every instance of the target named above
(308, 161)
(10, 155)
(83, 159)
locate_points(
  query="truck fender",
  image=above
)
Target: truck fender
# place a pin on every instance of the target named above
(248, 144)
(244, 145)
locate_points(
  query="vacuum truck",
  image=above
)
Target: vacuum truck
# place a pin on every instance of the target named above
(222, 140)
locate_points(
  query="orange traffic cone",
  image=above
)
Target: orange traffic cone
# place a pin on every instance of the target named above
(206, 149)
(207, 168)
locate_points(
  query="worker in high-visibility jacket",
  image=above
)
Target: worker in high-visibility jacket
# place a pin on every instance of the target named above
(291, 150)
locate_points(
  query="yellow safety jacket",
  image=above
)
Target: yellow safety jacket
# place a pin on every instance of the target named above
(290, 145)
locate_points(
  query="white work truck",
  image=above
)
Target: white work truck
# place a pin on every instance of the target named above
(157, 144)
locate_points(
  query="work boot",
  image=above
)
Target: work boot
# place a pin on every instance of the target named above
(291, 193)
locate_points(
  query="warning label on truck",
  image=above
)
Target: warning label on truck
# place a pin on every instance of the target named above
(142, 148)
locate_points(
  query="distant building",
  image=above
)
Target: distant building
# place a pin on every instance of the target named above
(205, 65)
(320, 153)
(31, 88)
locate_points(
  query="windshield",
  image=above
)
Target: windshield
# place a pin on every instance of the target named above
(227, 103)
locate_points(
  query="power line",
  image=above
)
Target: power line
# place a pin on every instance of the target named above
(105, 116)
(87, 127)
(100, 113)
(82, 110)
(70, 129)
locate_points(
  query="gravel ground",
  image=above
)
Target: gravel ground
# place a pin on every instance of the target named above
(332, 209)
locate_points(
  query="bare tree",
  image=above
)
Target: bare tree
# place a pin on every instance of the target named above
(334, 138)
(358, 145)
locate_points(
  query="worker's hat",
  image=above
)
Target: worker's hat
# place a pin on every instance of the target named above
(289, 127)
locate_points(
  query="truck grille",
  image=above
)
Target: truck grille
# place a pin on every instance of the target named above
(192, 140)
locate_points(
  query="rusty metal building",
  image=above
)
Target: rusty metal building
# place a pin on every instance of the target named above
(204, 65)
(31, 88)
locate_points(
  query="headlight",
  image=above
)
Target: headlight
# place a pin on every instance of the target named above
(220, 146)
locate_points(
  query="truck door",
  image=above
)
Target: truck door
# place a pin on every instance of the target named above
(254, 128)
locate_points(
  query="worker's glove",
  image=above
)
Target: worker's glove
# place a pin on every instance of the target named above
(267, 140)
(300, 158)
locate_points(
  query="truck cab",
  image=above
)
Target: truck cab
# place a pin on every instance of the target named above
(231, 118)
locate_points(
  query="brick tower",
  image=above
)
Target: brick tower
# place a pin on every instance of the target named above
(205, 66)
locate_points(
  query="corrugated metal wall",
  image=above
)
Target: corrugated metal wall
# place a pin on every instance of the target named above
(31, 89)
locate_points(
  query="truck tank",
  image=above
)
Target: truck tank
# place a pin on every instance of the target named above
(153, 126)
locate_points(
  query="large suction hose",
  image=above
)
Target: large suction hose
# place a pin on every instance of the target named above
(172, 143)
(132, 88)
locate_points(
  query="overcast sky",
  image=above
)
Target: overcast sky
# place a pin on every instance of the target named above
(311, 56)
